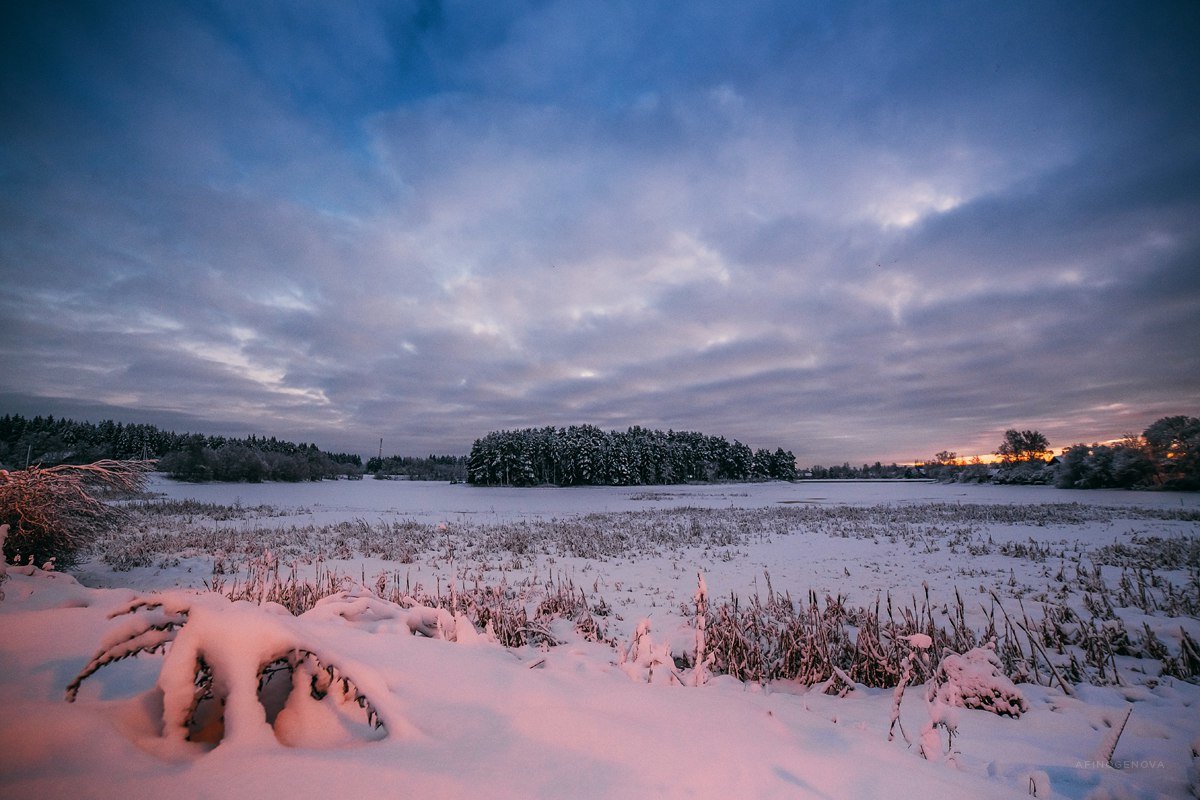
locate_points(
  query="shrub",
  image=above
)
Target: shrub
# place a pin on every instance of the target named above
(54, 512)
(219, 676)
(976, 679)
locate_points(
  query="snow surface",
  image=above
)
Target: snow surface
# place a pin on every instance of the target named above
(469, 718)
(430, 501)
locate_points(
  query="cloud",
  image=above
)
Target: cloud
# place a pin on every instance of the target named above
(855, 232)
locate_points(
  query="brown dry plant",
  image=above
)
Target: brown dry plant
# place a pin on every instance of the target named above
(53, 513)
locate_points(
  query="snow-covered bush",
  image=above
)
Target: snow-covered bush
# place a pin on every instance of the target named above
(365, 610)
(220, 676)
(975, 679)
(646, 662)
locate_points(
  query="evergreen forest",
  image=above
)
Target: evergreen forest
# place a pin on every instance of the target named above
(584, 455)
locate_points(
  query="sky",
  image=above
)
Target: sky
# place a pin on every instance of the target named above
(859, 231)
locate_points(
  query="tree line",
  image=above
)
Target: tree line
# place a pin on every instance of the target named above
(414, 468)
(1166, 455)
(185, 456)
(876, 471)
(584, 455)
(253, 460)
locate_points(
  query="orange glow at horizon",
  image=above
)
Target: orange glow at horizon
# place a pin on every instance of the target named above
(986, 458)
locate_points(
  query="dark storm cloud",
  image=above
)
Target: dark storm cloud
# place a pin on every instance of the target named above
(857, 230)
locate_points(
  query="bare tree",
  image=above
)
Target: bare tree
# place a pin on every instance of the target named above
(1023, 446)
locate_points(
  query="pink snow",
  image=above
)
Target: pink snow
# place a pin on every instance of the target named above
(465, 717)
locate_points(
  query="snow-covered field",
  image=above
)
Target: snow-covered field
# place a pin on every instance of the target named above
(613, 710)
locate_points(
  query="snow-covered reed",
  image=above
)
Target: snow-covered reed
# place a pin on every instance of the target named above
(1059, 624)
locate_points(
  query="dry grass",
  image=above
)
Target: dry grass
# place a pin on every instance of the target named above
(812, 641)
(1071, 632)
(55, 512)
(515, 616)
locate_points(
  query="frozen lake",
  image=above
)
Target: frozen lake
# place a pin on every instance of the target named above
(430, 501)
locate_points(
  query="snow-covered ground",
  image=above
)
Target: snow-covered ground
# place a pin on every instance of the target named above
(470, 718)
(442, 501)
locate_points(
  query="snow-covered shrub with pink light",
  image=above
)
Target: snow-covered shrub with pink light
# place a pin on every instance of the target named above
(221, 676)
(976, 679)
(645, 661)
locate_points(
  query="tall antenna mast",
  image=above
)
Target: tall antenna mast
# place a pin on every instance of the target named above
(381, 448)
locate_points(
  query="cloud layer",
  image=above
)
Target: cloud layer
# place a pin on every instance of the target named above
(859, 231)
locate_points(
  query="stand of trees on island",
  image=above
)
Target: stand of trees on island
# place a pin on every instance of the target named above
(585, 455)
